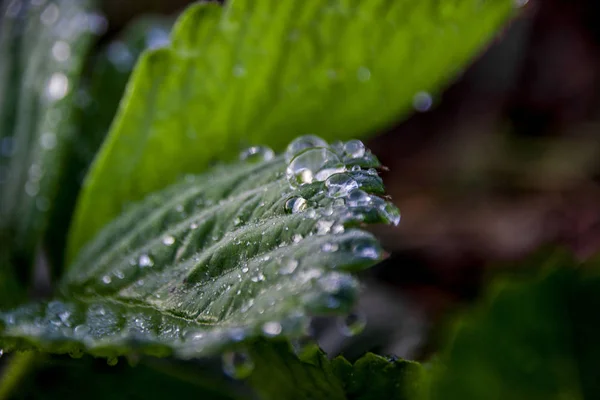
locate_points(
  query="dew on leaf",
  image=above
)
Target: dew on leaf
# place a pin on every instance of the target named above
(358, 198)
(50, 14)
(354, 149)
(257, 154)
(271, 328)
(295, 205)
(237, 364)
(287, 265)
(340, 185)
(363, 74)
(61, 51)
(168, 240)
(366, 249)
(145, 261)
(316, 164)
(302, 143)
(329, 247)
(422, 101)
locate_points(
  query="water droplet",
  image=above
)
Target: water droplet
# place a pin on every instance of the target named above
(48, 140)
(340, 185)
(422, 101)
(363, 74)
(61, 51)
(271, 328)
(311, 165)
(295, 205)
(58, 86)
(353, 324)
(239, 71)
(296, 238)
(168, 240)
(358, 198)
(237, 364)
(1, 352)
(366, 249)
(194, 226)
(106, 279)
(355, 168)
(521, 3)
(32, 188)
(50, 14)
(237, 221)
(145, 261)
(354, 149)
(303, 143)
(330, 247)
(323, 227)
(287, 265)
(391, 212)
(112, 361)
(337, 229)
(257, 154)
(258, 277)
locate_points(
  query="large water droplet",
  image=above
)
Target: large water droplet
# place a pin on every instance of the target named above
(353, 324)
(271, 328)
(340, 185)
(237, 364)
(358, 198)
(312, 165)
(145, 261)
(391, 212)
(287, 265)
(295, 205)
(257, 154)
(302, 143)
(354, 148)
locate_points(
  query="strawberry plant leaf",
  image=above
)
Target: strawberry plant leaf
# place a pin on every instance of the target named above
(532, 338)
(250, 249)
(266, 71)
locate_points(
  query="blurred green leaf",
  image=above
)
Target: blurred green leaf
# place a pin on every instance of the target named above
(213, 260)
(280, 374)
(530, 339)
(42, 46)
(99, 94)
(265, 71)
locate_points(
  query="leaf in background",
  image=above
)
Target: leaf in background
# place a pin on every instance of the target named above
(99, 94)
(530, 339)
(42, 46)
(376, 377)
(266, 71)
(63, 378)
(217, 258)
(280, 374)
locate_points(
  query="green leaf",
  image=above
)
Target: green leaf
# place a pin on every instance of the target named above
(530, 339)
(41, 54)
(376, 377)
(217, 258)
(99, 94)
(280, 374)
(266, 71)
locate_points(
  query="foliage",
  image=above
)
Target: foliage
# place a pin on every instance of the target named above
(171, 256)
